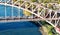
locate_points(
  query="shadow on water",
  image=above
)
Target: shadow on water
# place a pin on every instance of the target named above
(20, 28)
(36, 23)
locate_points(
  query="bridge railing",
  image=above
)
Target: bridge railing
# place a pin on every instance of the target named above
(38, 10)
(52, 14)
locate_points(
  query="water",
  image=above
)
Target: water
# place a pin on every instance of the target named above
(16, 28)
(19, 28)
(9, 10)
(4, 0)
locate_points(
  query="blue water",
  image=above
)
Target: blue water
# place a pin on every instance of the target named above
(4, 0)
(9, 11)
(17, 28)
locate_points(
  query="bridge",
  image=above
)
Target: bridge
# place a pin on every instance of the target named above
(48, 15)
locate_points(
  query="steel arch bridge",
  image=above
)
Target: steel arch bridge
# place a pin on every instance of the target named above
(49, 15)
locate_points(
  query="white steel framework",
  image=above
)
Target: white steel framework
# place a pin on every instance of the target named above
(50, 16)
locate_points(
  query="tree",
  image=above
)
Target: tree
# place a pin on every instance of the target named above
(27, 4)
(21, 1)
(26, 13)
(14, 0)
(50, 6)
(46, 1)
(40, 1)
(33, 0)
(33, 6)
(58, 1)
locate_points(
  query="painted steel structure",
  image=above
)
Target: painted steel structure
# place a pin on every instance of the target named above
(50, 16)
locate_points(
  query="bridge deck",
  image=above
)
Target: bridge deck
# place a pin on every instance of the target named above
(24, 19)
(35, 11)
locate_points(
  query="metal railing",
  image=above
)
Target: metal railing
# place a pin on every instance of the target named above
(49, 15)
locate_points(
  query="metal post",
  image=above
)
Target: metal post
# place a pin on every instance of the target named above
(12, 9)
(32, 10)
(8, 1)
(19, 12)
(5, 10)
